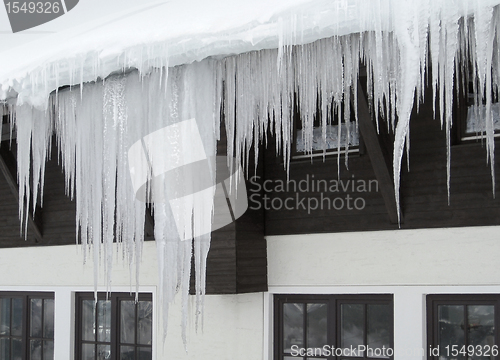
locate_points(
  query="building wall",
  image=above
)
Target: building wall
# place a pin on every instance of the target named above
(407, 263)
(233, 324)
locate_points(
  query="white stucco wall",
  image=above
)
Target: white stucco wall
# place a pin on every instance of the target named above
(465, 256)
(408, 264)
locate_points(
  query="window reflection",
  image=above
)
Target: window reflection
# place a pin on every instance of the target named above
(116, 327)
(26, 326)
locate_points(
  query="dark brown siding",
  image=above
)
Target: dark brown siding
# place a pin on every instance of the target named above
(423, 189)
(58, 215)
(237, 261)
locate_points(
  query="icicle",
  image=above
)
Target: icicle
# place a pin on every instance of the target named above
(484, 35)
(33, 149)
(407, 33)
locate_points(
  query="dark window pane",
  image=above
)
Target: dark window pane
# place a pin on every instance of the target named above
(379, 326)
(144, 354)
(103, 352)
(104, 320)
(36, 350)
(88, 320)
(127, 353)
(36, 318)
(481, 327)
(17, 349)
(88, 352)
(48, 318)
(127, 322)
(4, 349)
(316, 325)
(145, 322)
(48, 350)
(17, 317)
(4, 317)
(451, 322)
(352, 331)
(293, 326)
(116, 338)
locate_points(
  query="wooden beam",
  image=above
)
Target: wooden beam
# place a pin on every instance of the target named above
(372, 144)
(8, 166)
(149, 225)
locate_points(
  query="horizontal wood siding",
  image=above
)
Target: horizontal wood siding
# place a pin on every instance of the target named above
(59, 212)
(424, 199)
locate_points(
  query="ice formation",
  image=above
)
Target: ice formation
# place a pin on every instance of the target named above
(403, 44)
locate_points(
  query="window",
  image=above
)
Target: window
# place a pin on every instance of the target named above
(476, 121)
(349, 135)
(328, 326)
(116, 327)
(463, 326)
(26, 326)
(472, 120)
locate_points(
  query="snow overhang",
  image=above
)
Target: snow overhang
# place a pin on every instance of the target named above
(169, 33)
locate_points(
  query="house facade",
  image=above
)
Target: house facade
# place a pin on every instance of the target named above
(329, 261)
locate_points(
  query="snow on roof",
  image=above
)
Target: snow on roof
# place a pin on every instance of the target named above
(175, 32)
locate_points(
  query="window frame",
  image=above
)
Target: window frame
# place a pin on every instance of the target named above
(462, 100)
(334, 302)
(434, 300)
(333, 152)
(26, 297)
(115, 299)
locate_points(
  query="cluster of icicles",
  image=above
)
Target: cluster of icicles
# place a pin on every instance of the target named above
(255, 94)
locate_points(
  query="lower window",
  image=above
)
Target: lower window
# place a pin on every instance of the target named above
(328, 326)
(114, 327)
(26, 326)
(463, 326)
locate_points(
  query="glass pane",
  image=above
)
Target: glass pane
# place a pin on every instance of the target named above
(104, 320)
(316, 325)
(451, 328)
(4, 317)
(127, 353)
(144, 322)
(352, 320)
(48, 318)
(293, 326)
(144, 354)
(127, 322)
(48, 350)
(4, 349)
(17, 349)
(36, 350)
(88, 320)
(88, 351)
(36, 318)
(379, 328)
(481, 328)
(17, 317)
(103, 352)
